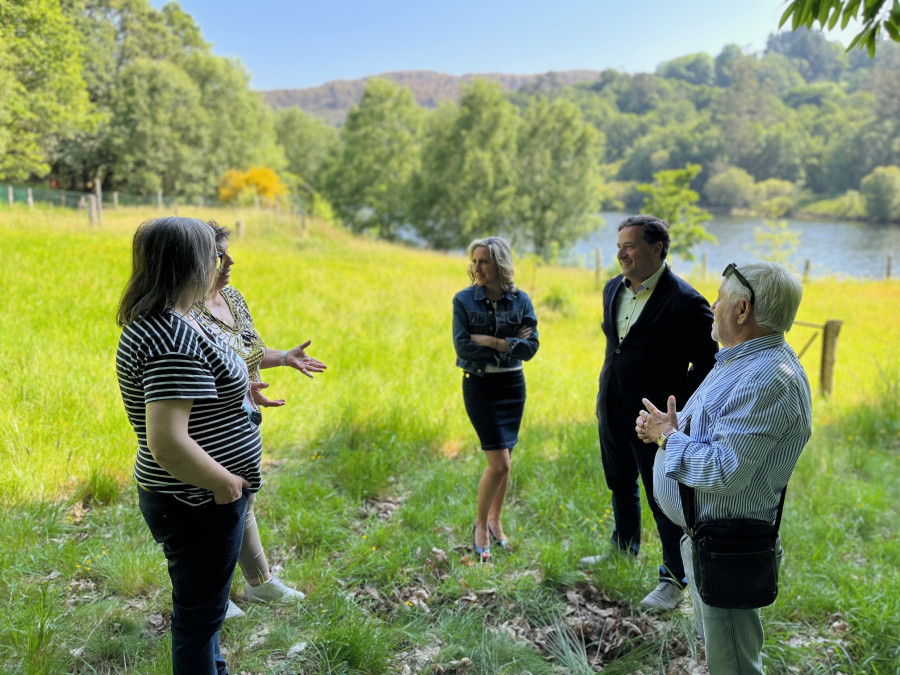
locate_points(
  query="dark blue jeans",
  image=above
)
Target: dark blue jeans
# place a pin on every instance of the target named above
(625, 458)
(201, 544)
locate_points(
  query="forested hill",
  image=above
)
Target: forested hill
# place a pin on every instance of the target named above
(332, 100)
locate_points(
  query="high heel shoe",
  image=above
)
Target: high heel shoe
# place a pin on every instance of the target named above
(502, 543)
(484, 554)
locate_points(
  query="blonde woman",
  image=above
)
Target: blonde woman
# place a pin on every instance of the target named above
(494, 331)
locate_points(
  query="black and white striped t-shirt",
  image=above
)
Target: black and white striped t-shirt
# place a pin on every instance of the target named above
(162, 358)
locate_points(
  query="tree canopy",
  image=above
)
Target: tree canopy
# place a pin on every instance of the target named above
(118, 94)
(874, 15)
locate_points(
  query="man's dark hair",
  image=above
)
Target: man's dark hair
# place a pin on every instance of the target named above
(655, 229)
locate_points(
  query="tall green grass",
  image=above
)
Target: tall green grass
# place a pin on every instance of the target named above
(372, 469)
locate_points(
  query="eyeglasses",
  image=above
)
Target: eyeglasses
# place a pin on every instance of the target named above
(732, 268)
(219, 256)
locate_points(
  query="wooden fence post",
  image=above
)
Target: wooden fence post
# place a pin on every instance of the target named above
(704, 268)
(806, 270)
(303, 217)
(159, 200)
(30, 198)
(98, 192)
(240, 229)
(830, 334)
(116, 199)
(889, 266)
(11, 194)
(598, 269)
(92, 208)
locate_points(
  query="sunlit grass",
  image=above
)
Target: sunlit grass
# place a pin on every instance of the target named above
(373, 465)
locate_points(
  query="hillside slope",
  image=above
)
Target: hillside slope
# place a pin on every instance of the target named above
(332, 100)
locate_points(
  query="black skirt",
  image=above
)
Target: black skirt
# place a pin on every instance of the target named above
(495, 403)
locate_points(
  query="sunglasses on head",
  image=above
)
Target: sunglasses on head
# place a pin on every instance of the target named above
(732, 269)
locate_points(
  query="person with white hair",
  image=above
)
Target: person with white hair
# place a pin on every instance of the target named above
(736, 441)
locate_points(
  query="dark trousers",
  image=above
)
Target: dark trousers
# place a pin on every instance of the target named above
(625, 458)
(201, 544)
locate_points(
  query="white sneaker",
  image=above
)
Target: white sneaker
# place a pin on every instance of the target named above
(273, 590)
(233, 611)
(664, 597)
(593, 560)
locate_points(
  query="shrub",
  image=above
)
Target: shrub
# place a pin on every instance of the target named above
(241, 187)
(733, 187)
(558, 298)
(850, 205)
(881, 188)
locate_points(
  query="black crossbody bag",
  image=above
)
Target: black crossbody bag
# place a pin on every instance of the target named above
(735, 564)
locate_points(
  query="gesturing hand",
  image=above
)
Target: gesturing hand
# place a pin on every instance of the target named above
(652, 422)
(261, 399)
(298, 358)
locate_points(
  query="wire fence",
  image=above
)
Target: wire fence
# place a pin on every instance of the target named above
(31, 195)
(93, 204)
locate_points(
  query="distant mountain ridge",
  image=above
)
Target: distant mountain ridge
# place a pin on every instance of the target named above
(332, 100)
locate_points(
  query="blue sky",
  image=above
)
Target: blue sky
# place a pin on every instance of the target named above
(296, 44)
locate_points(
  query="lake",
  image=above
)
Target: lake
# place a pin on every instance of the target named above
(850, 249)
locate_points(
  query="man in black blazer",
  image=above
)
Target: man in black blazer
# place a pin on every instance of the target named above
(658, 342)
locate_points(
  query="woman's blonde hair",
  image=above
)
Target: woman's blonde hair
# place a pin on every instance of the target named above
(501, 255)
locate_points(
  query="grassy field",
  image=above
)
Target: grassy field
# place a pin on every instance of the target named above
(371, 473)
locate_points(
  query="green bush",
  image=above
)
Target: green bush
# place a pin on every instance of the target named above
(881, 188)
(731, 188)
(559, 299)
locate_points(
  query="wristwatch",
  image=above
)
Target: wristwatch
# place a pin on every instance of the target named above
(663, 437)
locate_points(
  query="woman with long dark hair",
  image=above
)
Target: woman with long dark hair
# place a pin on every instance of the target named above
(186, 395)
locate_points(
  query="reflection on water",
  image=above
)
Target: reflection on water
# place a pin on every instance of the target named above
(832, 248)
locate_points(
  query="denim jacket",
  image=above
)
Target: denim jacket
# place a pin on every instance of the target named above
(473, 314)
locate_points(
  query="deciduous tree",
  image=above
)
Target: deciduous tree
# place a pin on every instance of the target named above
(731, 188)
(158, 129)
(671, 198)
(368, 184)
(241, 127)
(469, 180)
(44, 98)
(559, 181)
(874, 15)
(308, 143)
(881, 188)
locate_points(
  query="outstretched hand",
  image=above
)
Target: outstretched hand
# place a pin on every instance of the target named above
(298, 358)
(652, 422)
(261, 399)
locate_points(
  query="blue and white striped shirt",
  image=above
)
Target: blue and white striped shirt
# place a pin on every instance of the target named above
(749, 420)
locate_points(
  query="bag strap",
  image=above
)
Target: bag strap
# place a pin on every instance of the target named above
(689, 508)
